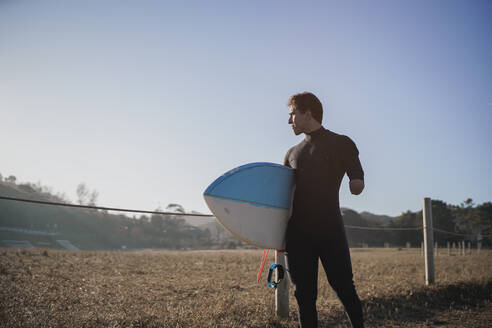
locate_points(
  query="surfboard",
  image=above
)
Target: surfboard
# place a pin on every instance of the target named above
(253, 202)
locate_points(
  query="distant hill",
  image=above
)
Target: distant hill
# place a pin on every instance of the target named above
(61, 222)
(370, 217)
(51, 226)
(381, 219)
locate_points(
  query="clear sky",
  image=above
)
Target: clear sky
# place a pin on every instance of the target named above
(149, 101)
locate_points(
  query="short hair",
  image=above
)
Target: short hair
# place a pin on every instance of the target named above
(306, 101)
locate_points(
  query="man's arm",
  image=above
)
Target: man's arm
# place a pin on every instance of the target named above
(356, 186)
(353, 167)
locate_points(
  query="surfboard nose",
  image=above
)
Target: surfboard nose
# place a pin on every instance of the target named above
(253, 202)
(264, 184)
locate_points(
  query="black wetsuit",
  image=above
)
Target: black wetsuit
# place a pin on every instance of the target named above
(315, 230)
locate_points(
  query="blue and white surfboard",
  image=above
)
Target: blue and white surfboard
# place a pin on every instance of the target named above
(253, 202)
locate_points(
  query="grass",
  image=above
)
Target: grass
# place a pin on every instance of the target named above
(50, 288)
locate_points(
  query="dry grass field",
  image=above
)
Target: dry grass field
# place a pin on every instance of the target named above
(48, 288)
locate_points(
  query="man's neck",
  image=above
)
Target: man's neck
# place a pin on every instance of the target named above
(312, 127)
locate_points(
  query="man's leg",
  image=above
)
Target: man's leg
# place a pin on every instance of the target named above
(302, 266)
(336, 262)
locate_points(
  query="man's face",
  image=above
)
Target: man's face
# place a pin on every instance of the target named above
(298, 120)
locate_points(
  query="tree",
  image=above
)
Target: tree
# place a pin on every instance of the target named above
(481, 218)
(11, 179)
(157, 220)
(407, 219)
(443, 218)
(175, 222)
(82, 193)
(463, 215)
(85, 196)
(93, 198)
(175, 208)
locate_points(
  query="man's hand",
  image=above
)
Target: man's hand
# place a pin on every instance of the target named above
(356, 186)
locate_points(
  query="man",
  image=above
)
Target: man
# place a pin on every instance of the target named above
(315, 230)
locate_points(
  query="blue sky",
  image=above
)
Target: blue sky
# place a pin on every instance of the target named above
(148, 102)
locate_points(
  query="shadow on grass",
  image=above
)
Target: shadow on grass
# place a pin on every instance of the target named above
(419, 306)
(405, 310)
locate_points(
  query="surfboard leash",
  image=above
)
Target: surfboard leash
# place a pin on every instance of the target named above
(262, 265)
(280, 275)
(275, 266)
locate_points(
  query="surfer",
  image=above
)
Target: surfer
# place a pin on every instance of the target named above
(315, 229)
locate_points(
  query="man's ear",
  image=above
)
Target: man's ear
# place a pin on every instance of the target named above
(308, 112)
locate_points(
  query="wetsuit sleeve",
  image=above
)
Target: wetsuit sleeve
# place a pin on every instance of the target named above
(351, 160)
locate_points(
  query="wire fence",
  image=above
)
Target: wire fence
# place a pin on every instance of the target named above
(208, 215)
(380, 228)
(103, 208)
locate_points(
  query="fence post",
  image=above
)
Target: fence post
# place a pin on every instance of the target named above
(428, 242)
(449, 249)
(282, 290)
